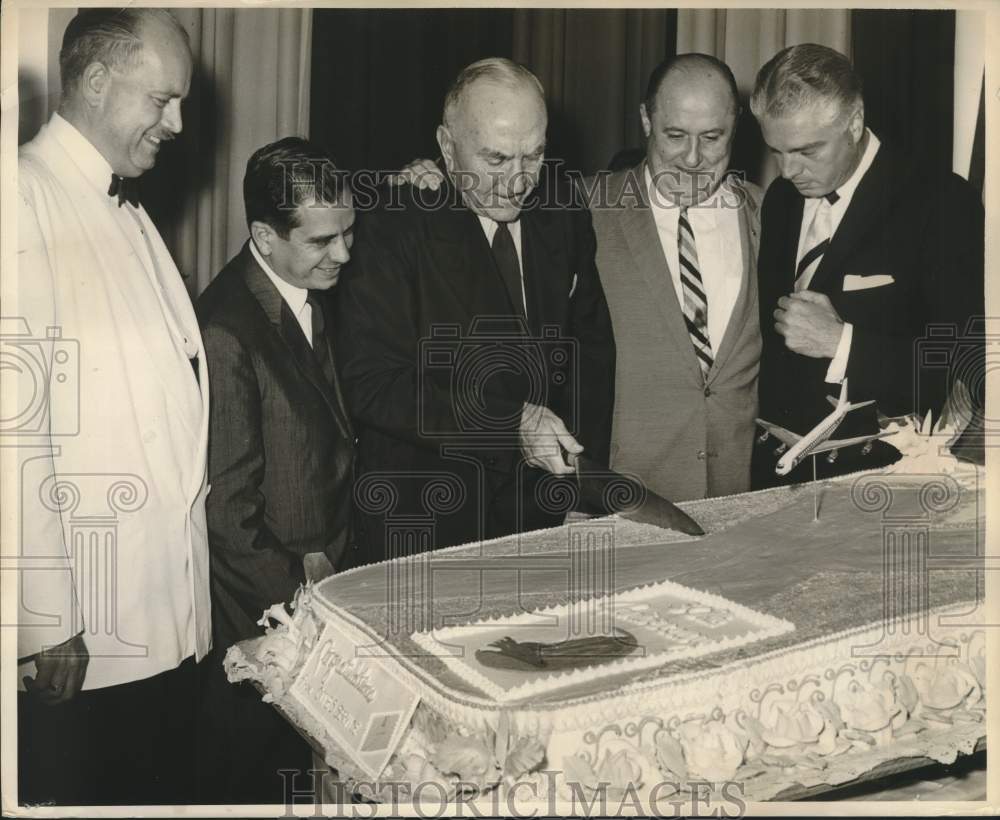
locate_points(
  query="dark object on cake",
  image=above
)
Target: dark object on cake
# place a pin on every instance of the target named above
(528, 656)
(607, 492)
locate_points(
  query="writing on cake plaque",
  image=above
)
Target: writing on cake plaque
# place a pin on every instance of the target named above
(357, 700)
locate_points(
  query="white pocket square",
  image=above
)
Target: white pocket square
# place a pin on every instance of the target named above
(572, 289)
(853, 282)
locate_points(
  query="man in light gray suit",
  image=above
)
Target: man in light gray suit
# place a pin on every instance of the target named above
(676, 252)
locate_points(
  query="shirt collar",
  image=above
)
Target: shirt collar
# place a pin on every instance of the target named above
(294, 296)
(490, 228)
(846, 191)
(84, 153)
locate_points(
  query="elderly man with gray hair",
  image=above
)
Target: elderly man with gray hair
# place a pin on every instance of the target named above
(862, 252)
(475, 344)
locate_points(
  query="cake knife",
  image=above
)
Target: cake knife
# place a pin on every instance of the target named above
(611, 492)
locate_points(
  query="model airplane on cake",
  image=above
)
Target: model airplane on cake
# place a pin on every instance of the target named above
(817, 440)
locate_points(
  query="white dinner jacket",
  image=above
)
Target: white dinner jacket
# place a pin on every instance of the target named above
(111, 529)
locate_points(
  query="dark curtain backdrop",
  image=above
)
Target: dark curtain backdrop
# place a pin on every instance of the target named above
(906, 60)
(379, 78)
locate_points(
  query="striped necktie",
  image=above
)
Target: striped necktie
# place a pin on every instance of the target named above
(695, 302)
(817, 241)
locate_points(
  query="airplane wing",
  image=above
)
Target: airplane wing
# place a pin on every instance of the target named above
(779, 432)
(838, 443)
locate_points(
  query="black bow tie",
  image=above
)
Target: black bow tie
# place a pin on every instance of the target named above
(126, 189)
(832, 197)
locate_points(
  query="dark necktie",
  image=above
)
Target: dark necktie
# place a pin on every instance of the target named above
(505, 256)
(127, 190)
(320, 345)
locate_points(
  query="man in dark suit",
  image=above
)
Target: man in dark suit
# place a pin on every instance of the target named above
(861, 254)
(474, 338)
(281, 449)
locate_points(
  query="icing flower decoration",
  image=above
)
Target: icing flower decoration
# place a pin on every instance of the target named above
(670, 756)
(469, 759)
(526, 755)
(712, 750)
(924, 446)
(614, 776)
(792, 723)
(417, 770)
(871, 707)
(946, 686)
(618, 770)
(978, 666)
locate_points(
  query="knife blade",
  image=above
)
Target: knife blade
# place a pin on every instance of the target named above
(610, 492)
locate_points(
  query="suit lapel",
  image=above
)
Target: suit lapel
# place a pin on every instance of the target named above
(542, 256)
(639, 227)
(462, 256)
(290, 332)
(793, 228)
(863, 215)
(738, 316)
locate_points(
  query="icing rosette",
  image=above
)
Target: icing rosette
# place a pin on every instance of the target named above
(871, 708)
(712, 750)
(946, 686)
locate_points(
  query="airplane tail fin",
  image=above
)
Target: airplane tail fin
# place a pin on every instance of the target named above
(837, 403)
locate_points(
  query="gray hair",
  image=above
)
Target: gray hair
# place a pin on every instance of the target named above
(109, 36)
(498, 70)
(801, 76)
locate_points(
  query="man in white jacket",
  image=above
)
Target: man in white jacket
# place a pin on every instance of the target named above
(113, 605)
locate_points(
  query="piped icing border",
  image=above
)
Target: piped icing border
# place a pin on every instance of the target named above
(723, 686)
(767, 626)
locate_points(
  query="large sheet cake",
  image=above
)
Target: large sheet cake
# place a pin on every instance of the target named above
(776, 652)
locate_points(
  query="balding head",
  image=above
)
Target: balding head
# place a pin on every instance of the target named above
(691, 68)
(493, 136)
(115, 38)
(689, 119)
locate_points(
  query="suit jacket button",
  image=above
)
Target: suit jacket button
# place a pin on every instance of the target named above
(708, 391)
(701, 455)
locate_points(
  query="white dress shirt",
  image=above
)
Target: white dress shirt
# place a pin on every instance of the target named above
(838, 364)
(490, 229)
(128, 427)
(295, 297)
(716, 229)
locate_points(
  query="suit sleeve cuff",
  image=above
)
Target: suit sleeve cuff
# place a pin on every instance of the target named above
(838, 365)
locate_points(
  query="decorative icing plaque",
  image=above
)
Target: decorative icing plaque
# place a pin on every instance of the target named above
(530, 654)
(363, 706)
